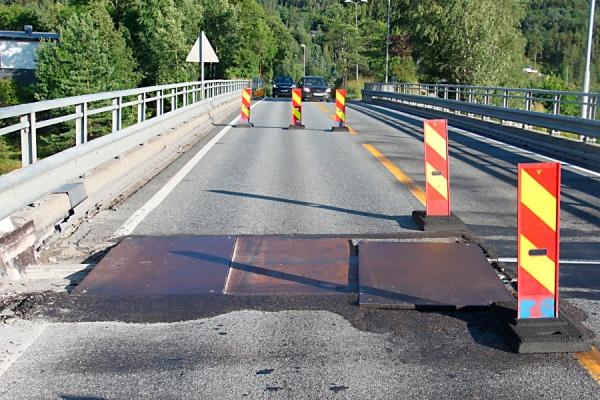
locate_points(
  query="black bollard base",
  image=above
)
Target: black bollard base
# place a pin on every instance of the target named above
(542, 335)
(435, 223)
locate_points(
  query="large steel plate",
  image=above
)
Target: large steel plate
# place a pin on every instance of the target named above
(417, 275)
(161, 265)
(292, 265)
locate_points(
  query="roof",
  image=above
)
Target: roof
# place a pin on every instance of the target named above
(34, 36)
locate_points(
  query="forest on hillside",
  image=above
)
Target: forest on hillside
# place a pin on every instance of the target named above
(110, 45)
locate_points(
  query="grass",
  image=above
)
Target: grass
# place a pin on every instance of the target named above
(8, 162)
(354, 87)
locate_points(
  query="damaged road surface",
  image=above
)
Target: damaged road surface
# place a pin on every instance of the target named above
(321, 346)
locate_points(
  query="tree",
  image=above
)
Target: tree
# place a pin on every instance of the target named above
(471, 42)
(163, 46)
(13, 18)
(340, 36)
(91, 57)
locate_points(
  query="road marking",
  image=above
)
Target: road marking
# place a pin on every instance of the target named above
(322, 108)
(402, 177)
(499, 143)
(350, 130)
(562, 261)
(591, 361)
(137, 217)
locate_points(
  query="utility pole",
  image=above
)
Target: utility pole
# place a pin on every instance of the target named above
(356, 3)
(588, 58)
(387, 45)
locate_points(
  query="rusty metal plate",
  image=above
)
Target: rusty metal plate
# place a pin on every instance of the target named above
(293, 265)
(413, 275)
(162, 265)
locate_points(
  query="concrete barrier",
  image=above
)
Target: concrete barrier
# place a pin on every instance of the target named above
(43, 220)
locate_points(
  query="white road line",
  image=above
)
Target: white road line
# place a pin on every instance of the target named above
(497, 142)
(17, 336)
(137, 217)
(566, 261)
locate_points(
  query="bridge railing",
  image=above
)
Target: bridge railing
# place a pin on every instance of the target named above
(131, 117)
(506, 104)
(111, 112)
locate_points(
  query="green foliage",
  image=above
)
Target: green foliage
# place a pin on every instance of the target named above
(13, 93)
(471, 42)
(403, 69)
(556, 33)
(554, 83)
(163, 44)
(91, 57)
(13, 18)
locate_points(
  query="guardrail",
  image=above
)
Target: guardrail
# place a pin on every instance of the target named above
(149, 101)
(505, 104)
(36, 179)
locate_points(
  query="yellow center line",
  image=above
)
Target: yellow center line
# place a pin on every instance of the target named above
(350, 130)
(591, 361)
(410, 185)
(322, 108)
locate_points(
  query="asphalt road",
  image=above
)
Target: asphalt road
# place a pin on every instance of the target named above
(272, 181)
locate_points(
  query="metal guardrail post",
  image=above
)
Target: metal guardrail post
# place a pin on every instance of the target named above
(141, 108)
(116, 114)
(556, 106)
(28, 140)
(159, 103)
(81, 131)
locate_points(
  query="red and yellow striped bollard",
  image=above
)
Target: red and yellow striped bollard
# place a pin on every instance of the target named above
(296, 109)
(437, 170)
(340, 111)
(437, 216)
(538, 218)
(245, 113)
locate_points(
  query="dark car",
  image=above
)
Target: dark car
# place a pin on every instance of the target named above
(283, 86)
(315, 88)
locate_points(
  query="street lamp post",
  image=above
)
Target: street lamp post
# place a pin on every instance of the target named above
(356, 3)
(304, 52)
(588, 57)
(387, 45)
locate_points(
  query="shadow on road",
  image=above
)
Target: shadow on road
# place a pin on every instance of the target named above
(404, 221)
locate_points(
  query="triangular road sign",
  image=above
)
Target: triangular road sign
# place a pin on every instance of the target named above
(208, 54)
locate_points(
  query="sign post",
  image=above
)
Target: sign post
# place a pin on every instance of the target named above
(202, 52)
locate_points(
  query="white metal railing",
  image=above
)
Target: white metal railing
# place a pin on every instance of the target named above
(506, 104)
(146, 102)
(516, 98)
